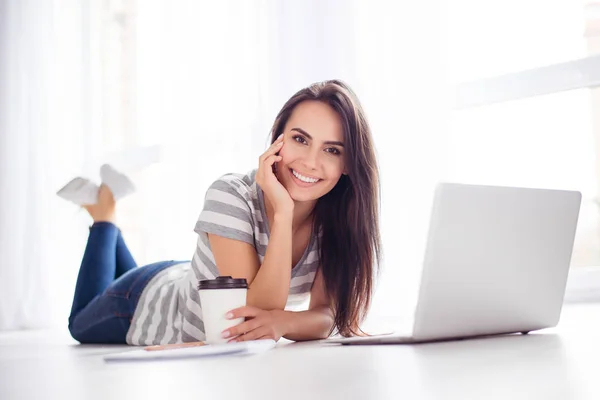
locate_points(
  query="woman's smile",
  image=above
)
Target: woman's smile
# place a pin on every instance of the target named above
(303, 180)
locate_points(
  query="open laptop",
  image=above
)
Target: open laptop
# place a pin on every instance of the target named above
(496, 262)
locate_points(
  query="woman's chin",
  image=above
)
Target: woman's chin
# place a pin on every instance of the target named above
(301, 196)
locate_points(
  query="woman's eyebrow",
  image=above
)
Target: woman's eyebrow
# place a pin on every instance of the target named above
(302, 131)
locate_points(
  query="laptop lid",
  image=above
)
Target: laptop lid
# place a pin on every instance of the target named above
(496, 261)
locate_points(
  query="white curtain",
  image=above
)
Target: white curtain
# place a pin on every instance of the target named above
(82, 83)
(44, 112)
(204, 81)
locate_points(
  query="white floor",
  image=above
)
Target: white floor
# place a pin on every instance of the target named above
(558, 363)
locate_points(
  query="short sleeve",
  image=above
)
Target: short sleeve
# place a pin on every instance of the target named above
(227, 211)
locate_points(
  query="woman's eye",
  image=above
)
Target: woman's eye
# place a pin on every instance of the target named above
(333, 150)
(299, 139)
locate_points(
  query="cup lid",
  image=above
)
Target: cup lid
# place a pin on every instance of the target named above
(223, 282)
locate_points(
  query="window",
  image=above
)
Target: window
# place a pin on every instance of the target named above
(536, 122)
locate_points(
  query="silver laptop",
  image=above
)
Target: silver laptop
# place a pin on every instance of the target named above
(496, 262)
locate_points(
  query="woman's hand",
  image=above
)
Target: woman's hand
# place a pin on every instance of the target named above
(266, 179)
(260, 324)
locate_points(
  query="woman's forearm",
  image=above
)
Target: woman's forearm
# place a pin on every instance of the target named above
(307, 325)
(270, 288)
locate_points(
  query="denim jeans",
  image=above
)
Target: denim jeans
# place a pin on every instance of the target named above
(108, 287)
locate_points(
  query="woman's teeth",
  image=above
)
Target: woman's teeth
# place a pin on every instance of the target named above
(304, 178)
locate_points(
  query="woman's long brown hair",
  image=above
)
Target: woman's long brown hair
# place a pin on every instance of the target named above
(348, 216)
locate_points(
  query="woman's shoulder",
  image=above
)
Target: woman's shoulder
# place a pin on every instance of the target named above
(230, 207)
(239, 185)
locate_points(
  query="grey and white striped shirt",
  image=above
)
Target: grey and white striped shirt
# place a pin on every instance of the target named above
(169, 309)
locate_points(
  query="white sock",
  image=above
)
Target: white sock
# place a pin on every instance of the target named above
(120, 185)
(82, 191)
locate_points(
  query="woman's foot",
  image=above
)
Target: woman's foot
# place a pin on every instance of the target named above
(104, 209)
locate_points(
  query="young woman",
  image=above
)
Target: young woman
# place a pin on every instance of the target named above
(303, 225)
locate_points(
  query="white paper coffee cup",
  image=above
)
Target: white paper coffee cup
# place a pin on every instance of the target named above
(218, 297)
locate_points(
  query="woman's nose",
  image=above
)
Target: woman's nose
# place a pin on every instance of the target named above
(311, 160)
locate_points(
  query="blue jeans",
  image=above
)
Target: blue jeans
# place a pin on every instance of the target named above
(108, 287)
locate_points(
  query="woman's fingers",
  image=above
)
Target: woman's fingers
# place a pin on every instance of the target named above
(271, 160)
(252, 335)
(243, 312)
(242, 328)
(274, 148)
(265, 169)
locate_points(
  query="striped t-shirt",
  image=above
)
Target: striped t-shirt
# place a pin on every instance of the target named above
(169, 309)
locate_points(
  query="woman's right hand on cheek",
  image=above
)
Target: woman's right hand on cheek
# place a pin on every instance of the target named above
(266, 179)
